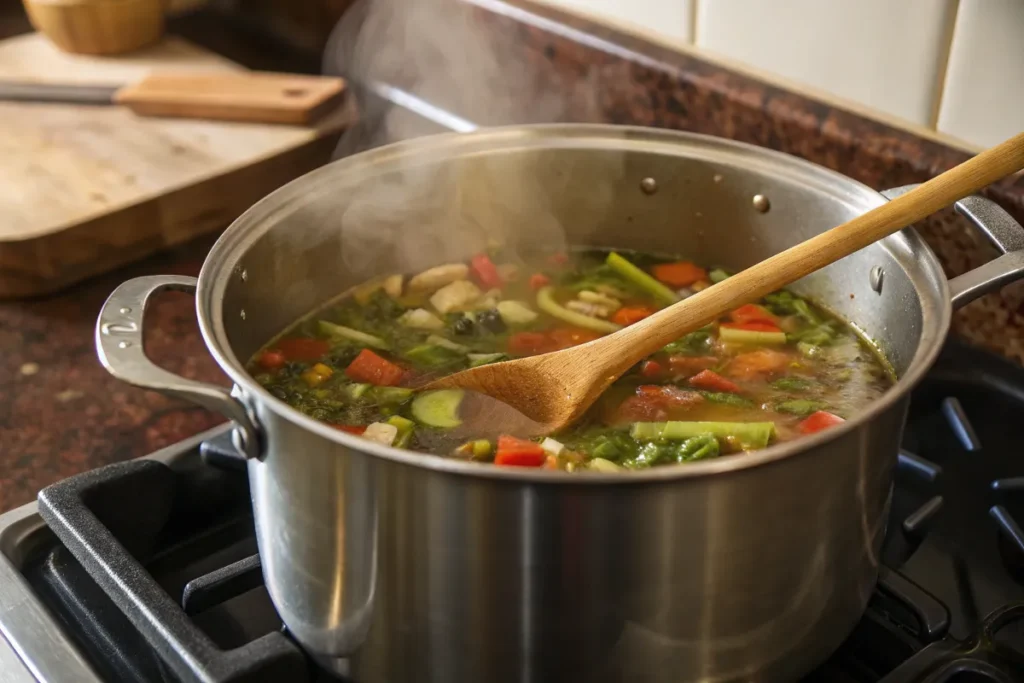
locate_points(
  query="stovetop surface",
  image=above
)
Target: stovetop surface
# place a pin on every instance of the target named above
(158, 577)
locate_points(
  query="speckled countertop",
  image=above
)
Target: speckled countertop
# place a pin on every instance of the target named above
(61, 413)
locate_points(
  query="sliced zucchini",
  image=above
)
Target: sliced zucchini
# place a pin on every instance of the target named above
(438, 408)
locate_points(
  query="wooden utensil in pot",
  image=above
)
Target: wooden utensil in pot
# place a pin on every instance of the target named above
(554, 389)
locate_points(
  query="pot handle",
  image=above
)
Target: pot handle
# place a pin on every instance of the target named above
(1005, 234)
(119, 345)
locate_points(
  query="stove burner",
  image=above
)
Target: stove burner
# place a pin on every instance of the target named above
(954, 414)
(153, 574)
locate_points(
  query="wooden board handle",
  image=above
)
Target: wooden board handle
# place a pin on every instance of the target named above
(253, 97)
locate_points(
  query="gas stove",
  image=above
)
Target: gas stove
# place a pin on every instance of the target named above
(147, 570)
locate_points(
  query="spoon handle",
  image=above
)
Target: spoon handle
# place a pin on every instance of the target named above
(637, 341)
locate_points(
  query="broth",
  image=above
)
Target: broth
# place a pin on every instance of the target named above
(764, 373)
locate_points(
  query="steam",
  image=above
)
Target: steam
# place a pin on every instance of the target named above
(438, 59)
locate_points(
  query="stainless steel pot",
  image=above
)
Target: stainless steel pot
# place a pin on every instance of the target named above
(418, 568)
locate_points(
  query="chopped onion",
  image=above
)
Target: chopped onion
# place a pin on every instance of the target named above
(552, 447)
(382, 433)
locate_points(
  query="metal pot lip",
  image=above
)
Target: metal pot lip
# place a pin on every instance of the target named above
(254, 222)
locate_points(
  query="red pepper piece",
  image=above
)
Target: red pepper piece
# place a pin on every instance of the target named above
(371, 368)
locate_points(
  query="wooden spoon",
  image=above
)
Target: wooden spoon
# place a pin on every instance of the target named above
(554, 389)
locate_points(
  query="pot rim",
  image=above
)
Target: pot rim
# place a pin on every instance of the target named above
(243, 232)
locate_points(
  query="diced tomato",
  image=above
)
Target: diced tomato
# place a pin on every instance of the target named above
(759, 363)
(627, 315)
(371, 368)
(655, 403)
(679, 274)
(351, 429)
(640, 409)
(528, 343)
(485, 272)
(519, 452)
(750, 313)
(302, 348)
(559, 259)
(539, 280)
(651, 369)
(690, 365)
(712, 381)
(271, 360)
(818, 421)
(753, 326)
(565, 337)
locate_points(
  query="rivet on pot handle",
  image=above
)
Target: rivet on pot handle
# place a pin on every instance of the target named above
(119, 345)
(1005, 234)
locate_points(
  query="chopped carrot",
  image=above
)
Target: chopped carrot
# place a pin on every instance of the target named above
(757, 364)
(485, 272)
(753, 313)
(565, 337)
(351, 429)
(712, 381)
(819, 421)
(627, 315)
(678, 274)
(302, 348)
(371, 368)
(651, 369)
(518, 452)
(271, 360)
(551, 463)
(539, 280)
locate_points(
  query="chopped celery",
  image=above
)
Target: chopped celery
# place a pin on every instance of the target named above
(791, 384)
(717, 275)
(478, 359)
(799, 407)
(355, 391)
(438, 408)
(433, 356)
(734, 335)
(389, 395)
(602, 465)
(641, 279)
(749, 434)
(334, 330)
(726, 399)
(447, 344)
(405, 428)
(546, 302)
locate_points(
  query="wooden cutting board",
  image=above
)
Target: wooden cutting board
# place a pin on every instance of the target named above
(84, 189)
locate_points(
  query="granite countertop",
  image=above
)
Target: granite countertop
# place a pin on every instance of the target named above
(61, 413)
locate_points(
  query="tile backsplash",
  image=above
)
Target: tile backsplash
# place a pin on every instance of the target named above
(952, 66)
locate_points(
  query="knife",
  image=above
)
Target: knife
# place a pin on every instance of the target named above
(256, 97)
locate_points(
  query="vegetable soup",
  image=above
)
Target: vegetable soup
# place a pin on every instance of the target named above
(764, 373)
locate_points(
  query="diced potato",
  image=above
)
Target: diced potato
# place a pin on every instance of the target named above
(608, 302)
(455, 295)
(434, 279)
(516, 312)
(552, 447)
(393, 286)
(592, 310)
(488, 301)
(421, 319)
(381, 432)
